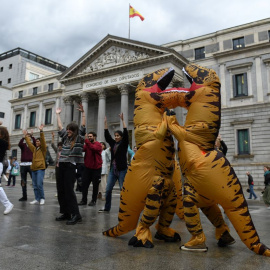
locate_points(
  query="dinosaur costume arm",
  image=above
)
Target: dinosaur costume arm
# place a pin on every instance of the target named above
(178, 131)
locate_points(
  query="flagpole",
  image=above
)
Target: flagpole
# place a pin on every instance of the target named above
(128, 21)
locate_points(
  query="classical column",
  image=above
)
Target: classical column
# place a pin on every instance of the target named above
(223, 92)
(178, 110)
(259, 79)
(267, 63)
(124, 88)
(24, 120)
(11, 120)
(76, 113)
(41, 120)
(68, 110)
(84, 99)
(101, 114)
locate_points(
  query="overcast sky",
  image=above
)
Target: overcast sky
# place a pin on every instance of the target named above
(64, 30)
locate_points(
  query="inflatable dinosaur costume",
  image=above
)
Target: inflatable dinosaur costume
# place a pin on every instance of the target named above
(148, 184)
(210, 178)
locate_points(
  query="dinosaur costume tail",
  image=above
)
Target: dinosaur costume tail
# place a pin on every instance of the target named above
(247, 232)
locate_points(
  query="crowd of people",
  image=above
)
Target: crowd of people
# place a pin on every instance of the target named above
(79, 156)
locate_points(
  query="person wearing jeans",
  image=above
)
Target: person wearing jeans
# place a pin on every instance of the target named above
(38, 165)
(4, 146)
(251, 184)
(119, 146)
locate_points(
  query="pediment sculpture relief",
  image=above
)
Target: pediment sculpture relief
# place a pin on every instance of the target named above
(114, 56)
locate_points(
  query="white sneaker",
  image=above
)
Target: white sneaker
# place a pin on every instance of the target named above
(268, 208)
(8, 209)
(34, 202)
(42, 201)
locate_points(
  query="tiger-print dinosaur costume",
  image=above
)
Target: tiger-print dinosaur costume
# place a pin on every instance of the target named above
(148, 184)
(210, 178)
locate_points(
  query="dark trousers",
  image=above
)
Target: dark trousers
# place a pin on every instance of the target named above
(65, 188)
(56, 177)
(90, 175)
(24, 170)
(13, 178)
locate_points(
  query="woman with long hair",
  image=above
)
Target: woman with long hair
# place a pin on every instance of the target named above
(38, 164)
(71, 154)
(4, 146)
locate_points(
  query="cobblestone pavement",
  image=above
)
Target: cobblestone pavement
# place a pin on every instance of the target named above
(30, 238)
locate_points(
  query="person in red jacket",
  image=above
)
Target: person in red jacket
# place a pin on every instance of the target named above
(26, 162)
(92, 170)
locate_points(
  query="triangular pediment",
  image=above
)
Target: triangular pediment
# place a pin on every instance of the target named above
(114, 53)
(114, 56)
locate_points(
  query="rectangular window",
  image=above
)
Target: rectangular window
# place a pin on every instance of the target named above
(20, 94)
(10, 66)
(32, 121)
(238, 43)
(240, 86)
(14, 153)
(9, 80)
(34, 91)
(33, 76)
(50, 87)
(2, 115)
(0, 83)
(243, 142)
(1, 69)
(199, 53)
(17, 121)
(48, 116)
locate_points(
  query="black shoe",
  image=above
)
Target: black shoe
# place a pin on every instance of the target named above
(92, 203)
(63, 217)
(23, 199)
(82, 203)
(74, 219)
(103, 211)
(225, 240)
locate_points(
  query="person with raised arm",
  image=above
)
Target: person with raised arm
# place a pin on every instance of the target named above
(26, 162)
(38, 164)
(71, 154)
(118, 169)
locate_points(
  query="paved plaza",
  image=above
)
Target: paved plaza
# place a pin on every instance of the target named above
(31, 239)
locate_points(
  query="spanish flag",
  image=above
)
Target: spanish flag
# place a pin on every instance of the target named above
(133, 12)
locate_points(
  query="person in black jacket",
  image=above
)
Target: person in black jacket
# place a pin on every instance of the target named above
(251, 184)
(118, 168)
(266, 194)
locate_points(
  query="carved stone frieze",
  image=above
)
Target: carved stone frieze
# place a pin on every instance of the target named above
(115, 56)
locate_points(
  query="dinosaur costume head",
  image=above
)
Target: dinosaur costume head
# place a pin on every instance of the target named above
(200, 76)
(160, 78)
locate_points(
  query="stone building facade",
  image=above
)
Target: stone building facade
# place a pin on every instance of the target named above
(241, 57)
(105, 78)
(19, 66)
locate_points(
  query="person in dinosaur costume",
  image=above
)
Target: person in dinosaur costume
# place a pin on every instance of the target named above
(210, 179)
(148, 184)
